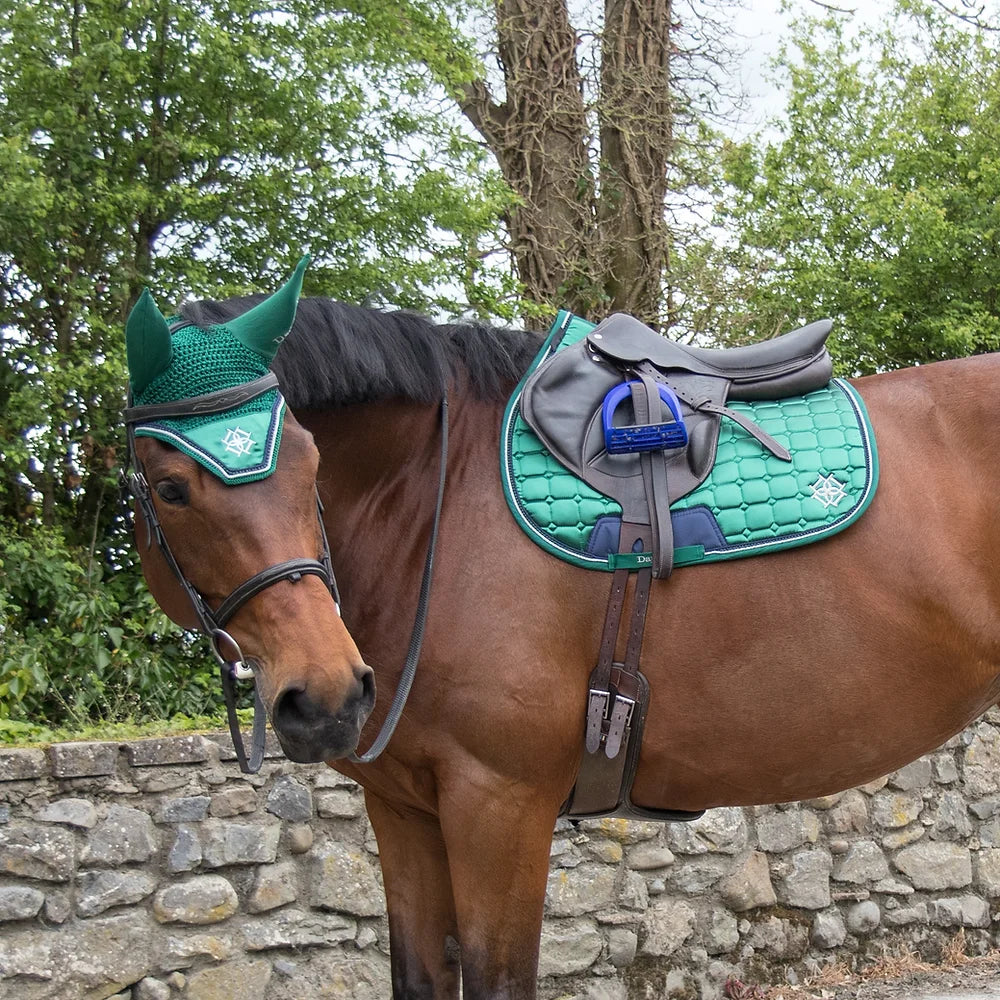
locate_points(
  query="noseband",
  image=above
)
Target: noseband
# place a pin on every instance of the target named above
(213, 622)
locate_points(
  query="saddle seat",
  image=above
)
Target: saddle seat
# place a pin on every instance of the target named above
(772, 369)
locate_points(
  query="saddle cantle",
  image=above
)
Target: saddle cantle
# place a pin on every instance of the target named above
(789, 365)
(564, 402)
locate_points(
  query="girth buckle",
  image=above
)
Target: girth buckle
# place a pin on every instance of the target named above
(621, 719)
(607, 721)
(597, 708)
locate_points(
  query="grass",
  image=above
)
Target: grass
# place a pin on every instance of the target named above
(837, 975)
(28, 735)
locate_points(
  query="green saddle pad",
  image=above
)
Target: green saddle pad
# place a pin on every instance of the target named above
(752, 502)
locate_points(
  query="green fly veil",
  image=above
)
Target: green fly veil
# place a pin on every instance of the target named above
(175, 360)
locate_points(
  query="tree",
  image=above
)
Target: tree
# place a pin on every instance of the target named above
(200, 148)
(591, 133)
(880, 204)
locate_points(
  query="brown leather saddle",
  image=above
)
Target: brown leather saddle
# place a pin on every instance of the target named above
(637, 417)
(678, 398)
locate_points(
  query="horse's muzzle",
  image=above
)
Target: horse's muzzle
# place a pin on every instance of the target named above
(310, 732)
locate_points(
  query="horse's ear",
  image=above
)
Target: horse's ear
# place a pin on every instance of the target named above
(264, 327)
(147, 343)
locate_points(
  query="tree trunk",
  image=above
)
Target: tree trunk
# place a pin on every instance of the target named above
(539, 136)
(585, 236)
(636, 126)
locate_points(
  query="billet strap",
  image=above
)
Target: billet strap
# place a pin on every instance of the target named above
(600, 679)
(614, 686)
(617, 699)
(409, 671)
(625, 680)
(210, 402)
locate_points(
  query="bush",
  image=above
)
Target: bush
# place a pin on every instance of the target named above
(82, 641)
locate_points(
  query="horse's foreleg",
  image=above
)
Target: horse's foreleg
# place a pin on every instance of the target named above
(423, 934)
(498, 853)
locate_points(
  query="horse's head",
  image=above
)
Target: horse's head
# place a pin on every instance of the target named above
(228, 521)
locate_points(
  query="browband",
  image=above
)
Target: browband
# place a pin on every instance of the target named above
(211, 402)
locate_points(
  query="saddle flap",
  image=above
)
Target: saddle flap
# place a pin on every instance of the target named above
(563, 401)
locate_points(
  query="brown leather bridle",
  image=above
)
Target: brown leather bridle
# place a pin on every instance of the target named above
(212, 622)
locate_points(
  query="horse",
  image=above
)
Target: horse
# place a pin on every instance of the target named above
(776, 678)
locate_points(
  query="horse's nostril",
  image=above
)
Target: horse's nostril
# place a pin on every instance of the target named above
(296, 714)
(295, 709)
(311, 730)
(367, 679)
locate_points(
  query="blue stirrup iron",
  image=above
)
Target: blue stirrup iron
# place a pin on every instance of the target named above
(642, 437)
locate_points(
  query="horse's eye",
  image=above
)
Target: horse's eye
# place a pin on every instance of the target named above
(170, 492)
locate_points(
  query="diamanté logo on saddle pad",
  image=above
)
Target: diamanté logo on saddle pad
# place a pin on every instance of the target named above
(751, 500)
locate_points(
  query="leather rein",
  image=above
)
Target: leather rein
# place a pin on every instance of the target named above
(212, 622)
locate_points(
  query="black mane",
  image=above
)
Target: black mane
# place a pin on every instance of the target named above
(338, 354)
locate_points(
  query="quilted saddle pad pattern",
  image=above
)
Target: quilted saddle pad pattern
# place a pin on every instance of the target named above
(752, 502)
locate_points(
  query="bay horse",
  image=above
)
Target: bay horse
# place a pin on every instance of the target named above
(775, 678)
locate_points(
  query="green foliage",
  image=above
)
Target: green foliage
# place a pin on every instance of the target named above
(32, 734)
(82, 644)
(199, 148)
(880, 203)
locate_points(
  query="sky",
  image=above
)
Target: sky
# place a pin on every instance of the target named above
(759, 27)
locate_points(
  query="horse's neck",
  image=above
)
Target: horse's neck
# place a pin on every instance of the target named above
(378, 478)
(365, 449)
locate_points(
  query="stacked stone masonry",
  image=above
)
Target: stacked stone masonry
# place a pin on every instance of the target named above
(154, 869)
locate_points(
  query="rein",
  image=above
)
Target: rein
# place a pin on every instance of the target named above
(420, 619)
(212, 623)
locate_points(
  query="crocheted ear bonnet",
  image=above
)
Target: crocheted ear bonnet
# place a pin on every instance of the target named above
(173, 360)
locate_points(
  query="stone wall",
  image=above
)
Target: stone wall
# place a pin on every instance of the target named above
(154, 870)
